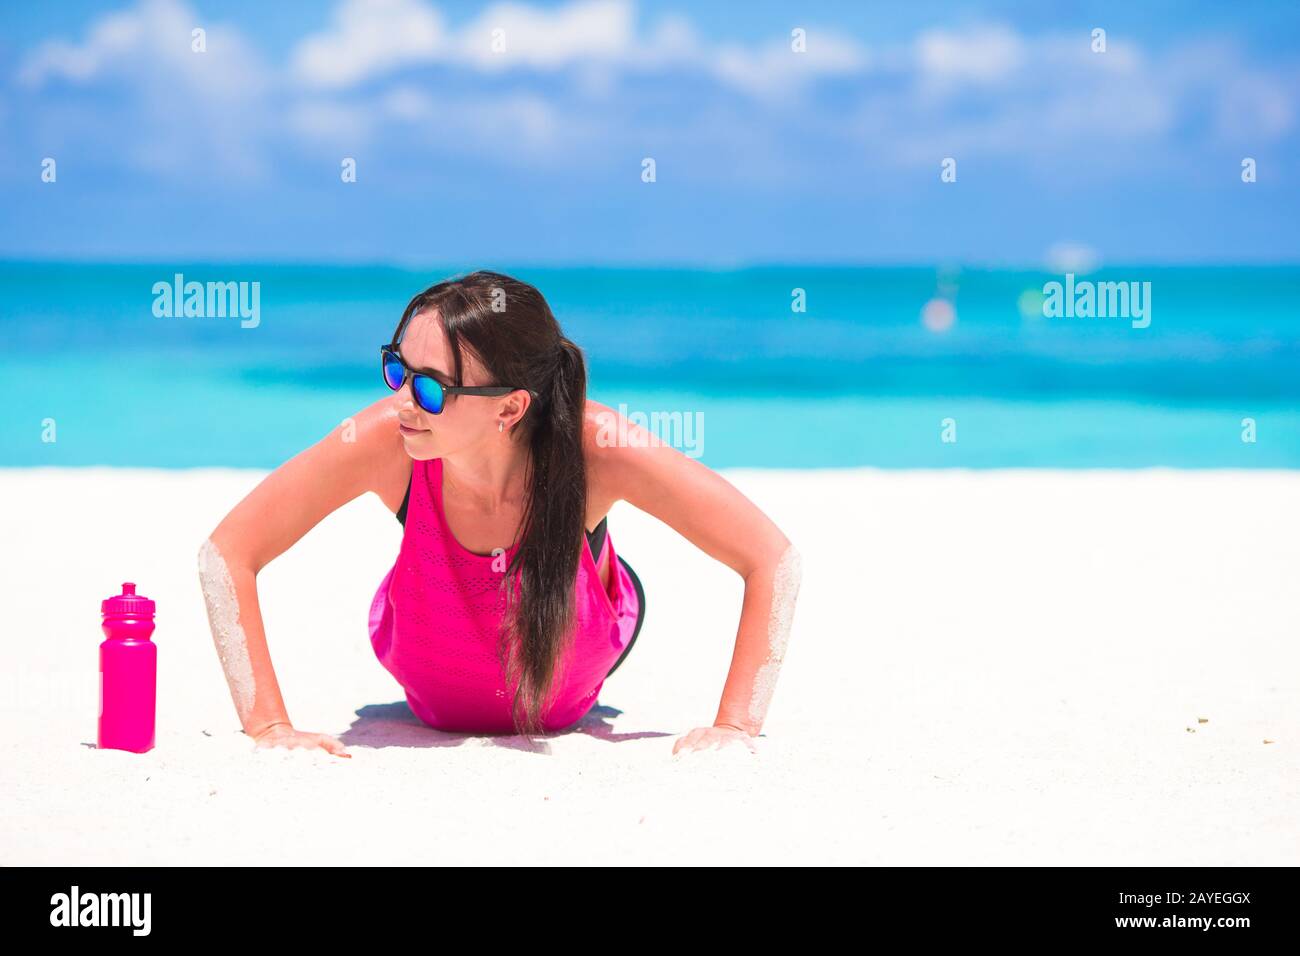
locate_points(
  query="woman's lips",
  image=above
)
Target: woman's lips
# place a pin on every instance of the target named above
(410, 431)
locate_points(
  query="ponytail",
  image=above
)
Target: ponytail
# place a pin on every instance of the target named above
(541, 608)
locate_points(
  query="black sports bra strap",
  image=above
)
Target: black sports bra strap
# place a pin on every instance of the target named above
(596, 538)
(401, 512)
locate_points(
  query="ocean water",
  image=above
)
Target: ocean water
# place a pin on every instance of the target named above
(736, 376)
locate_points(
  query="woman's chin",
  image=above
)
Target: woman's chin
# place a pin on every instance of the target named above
(420, 447)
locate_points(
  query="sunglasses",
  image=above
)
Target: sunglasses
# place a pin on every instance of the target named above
(430, 394)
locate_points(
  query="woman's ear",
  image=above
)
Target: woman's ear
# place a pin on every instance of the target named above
(517, 403)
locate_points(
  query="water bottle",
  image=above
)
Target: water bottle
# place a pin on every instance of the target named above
(128, 673)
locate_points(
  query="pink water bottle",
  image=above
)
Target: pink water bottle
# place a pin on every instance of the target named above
(128, 673)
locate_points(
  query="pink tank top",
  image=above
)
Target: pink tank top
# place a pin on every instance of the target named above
(434, 621)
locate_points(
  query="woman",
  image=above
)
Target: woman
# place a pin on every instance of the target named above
(497, 616)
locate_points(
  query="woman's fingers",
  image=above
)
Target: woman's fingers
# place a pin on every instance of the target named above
(713, 738)
(294, 739)
(691, 741)
(335, 746)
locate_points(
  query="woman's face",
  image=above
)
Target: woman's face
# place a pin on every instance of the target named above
(464, 420)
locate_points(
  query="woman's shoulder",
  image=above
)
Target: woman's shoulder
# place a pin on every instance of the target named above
(374, 430)
(605, 430)
(595, 416)
(599, 422)
(601, 426)
(608, 438)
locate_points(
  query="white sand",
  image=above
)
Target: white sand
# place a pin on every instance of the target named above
(1002, 667)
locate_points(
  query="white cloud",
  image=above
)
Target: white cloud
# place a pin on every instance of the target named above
(777, 70)
(369, 38)
(980, 54)
(1246, 101)
(673, 41)
(989, 91)
(152, 40)
(580, 31)
(112, 38)
(985, 89)
(372, 38)
(190, 108)
(515, 127)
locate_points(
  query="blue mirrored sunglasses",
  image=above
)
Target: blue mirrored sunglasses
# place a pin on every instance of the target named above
(430, 394)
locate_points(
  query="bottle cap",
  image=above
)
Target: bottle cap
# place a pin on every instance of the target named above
(128, 602)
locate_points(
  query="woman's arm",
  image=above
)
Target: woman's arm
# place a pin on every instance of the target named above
(360, 455)
(713, 515)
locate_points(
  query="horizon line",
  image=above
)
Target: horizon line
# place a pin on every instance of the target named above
(693, 265)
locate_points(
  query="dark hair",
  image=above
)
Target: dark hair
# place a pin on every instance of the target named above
(509, 327)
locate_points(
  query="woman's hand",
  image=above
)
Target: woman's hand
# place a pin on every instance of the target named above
(283, 735)
(717, 737)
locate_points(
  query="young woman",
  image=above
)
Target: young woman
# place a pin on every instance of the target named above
(499, 614)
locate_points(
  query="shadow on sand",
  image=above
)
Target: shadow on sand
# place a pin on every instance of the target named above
(395, 725)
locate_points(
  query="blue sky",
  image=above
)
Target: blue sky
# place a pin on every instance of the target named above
(533, 152)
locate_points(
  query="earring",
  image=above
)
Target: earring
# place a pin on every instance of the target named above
(501, 425)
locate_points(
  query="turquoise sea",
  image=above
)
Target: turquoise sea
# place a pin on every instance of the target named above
(856, 379)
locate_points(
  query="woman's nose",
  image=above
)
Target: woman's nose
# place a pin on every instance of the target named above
(404, 396)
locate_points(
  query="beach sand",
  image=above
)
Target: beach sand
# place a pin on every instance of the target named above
(1004, 667)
